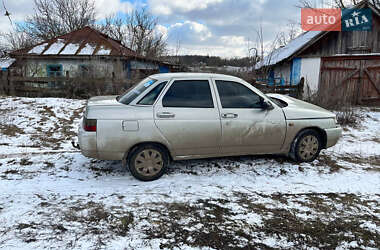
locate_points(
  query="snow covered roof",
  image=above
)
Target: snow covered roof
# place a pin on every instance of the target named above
(86, 41)
(6, 62)
(287, 51)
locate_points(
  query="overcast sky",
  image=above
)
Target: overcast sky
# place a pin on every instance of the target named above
(206, 27)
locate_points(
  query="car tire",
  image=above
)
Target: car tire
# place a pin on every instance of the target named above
(307, 146)
(148, 162)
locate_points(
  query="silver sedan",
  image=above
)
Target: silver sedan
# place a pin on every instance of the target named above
(179, 116)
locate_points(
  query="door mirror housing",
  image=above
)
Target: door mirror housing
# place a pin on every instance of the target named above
(267, 105)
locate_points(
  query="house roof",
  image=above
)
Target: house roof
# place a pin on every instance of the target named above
(287, 51)
(299, 43)
(83, 42)
(6, 62)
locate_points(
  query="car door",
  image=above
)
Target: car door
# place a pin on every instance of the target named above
(247, 128)
(187, 115)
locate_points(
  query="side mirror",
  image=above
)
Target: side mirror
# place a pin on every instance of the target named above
(267, 105)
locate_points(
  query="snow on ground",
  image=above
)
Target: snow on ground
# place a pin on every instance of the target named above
(53, 197)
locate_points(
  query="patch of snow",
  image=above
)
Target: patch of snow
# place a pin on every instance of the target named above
(38, 49)
(363, 141)
(87, 50)
(41, 182)
(232, 68)
(6, 62)
(103, 51)
(55, 47)
(70, 49)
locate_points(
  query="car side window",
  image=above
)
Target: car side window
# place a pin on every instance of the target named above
(189, 94)
(151, 97)
(234, 95)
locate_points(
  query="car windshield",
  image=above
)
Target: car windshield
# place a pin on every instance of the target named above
(134, 92)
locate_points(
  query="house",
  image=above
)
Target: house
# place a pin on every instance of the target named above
(5, 63)
(333, 64)
(82, 55)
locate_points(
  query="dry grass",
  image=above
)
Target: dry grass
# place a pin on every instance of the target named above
(215, 227)
(10, 129)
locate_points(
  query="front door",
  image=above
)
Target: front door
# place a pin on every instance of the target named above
(188, 117)
(246, 127)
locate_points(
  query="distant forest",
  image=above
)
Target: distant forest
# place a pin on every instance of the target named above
(216, 61)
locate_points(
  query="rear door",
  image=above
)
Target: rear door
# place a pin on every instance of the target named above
(187, 115)
(246, 127)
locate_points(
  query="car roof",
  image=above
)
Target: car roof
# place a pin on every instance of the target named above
(167, 76)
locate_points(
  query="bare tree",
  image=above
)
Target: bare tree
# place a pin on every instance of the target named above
(260, 40)
(57, 17)
(137, 31)
(53, 18)
(114, 26)
(292, 31)
(14, 40)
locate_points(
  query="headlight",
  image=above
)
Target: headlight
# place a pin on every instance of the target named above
(335, 120)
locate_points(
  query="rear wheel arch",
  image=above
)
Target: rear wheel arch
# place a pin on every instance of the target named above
(134, 147)
(148, 161)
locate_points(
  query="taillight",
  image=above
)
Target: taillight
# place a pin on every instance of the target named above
(89, 124)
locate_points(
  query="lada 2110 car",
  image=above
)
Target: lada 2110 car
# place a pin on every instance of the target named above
(178, 116)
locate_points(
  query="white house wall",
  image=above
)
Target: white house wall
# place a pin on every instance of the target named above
(38, 67)
(310, 68)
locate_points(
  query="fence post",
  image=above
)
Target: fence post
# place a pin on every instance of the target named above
(11, 85)
(300, 88)
(2, 83)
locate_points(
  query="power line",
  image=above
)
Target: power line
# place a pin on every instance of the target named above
(7, 14)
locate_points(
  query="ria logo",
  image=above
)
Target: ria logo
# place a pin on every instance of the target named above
(356, 19)
(336, 19)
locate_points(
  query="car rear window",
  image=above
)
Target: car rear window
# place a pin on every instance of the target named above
(134, 92)
(151, 97)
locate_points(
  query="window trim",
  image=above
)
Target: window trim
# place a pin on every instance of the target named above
(58, 65)
(172, 80)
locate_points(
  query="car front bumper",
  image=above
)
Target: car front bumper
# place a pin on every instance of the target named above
(333, 135)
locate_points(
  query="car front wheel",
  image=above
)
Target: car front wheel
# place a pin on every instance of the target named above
(148, 162)
(307, 146)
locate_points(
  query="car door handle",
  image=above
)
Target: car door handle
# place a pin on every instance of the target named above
(229, 115)
(165, 115)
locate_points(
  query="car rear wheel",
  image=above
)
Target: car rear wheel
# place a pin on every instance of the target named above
(307, 146)
(148, 162)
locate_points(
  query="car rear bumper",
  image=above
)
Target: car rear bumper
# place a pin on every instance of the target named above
(333, 135)
(87, 143)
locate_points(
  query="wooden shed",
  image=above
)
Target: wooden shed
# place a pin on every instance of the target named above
(334, 65)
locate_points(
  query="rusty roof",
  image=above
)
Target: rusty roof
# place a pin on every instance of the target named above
(83, 42)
